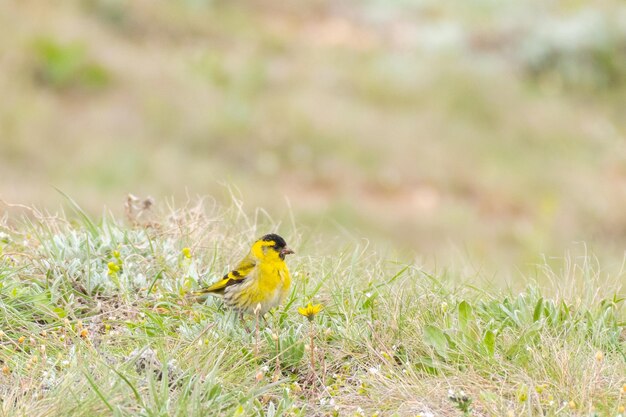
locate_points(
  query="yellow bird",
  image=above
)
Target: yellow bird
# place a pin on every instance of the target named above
(260, 281)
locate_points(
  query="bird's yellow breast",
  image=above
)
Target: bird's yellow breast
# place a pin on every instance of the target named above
(274, 276)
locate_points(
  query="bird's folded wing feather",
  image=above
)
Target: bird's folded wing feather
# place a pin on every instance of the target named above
(236, 276)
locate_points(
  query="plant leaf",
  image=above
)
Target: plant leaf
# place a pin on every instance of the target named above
(466, 315)
(489, 340)
(436, 338)
(538, 309)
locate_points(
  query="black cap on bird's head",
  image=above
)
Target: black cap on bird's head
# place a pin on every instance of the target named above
(279, 244)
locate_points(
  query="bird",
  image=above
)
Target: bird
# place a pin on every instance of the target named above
(259, 282)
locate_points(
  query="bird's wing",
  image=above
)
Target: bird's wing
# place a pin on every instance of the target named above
(236, 276)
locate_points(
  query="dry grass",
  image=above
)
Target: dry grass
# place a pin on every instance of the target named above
(95, 322)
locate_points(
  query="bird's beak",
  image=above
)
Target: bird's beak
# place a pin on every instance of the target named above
(286, 251)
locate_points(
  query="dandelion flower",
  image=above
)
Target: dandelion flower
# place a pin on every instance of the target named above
(599, 356)
(186, 253)
(310, 311)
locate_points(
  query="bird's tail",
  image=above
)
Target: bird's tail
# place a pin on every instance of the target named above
(204, 292)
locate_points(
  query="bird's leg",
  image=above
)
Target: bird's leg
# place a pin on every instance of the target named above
(243, 322)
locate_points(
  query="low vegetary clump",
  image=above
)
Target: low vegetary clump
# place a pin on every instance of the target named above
(94, 321)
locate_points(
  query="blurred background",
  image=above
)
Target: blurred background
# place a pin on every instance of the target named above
(485, 131)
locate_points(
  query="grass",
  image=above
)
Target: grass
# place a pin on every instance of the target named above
(96, 321)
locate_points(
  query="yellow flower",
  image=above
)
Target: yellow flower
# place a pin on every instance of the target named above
(599, 356)
(310, 311)
(113, 268)
(186, 253)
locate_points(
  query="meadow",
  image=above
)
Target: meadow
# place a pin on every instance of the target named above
(451, 175)
(488, 134)
(97, 320)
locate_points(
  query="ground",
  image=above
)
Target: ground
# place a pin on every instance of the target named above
(97, 319)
